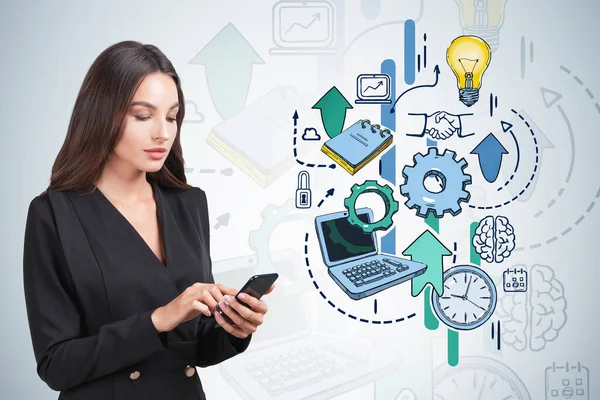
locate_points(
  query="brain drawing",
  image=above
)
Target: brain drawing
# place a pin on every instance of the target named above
(494, 239)
(532, 319)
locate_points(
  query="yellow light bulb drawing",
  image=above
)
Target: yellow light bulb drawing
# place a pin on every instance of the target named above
(482, 18)
(468, 57)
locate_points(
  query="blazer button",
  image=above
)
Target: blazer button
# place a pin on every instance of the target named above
(190, 371)
(134, 375)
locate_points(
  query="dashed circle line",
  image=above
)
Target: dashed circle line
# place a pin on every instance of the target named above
(581, 217)
(580, 82)
(309, 165)
(351, 316)
(507, 182)
(454, 253)
(550, 203)
(570, 128)
(569, 229)
(535, 168)
(512, 176)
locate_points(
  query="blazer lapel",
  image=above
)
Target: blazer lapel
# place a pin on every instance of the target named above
(82, 264)
(114, 274)
(133, 278)
(186, 256)
(135, 236)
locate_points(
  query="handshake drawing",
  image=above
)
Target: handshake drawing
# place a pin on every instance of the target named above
(441, 125)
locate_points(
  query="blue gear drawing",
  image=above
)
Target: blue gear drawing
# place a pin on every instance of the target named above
(455, 181)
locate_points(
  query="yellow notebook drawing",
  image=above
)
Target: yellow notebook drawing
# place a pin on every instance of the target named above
(257, 139)
(358, 145)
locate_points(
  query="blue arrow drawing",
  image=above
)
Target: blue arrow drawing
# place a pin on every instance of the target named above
(490, 152)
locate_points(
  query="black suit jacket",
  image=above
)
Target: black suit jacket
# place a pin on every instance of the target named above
(91, 283)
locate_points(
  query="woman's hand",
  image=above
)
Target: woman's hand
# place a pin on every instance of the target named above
(246, 316)
(200, 298)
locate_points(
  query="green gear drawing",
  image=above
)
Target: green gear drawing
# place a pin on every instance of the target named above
(386, 194)
(259, 239)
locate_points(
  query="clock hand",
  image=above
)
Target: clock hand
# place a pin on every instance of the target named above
(482, 387)
(455, 295)
(468, 286)
(476, 304)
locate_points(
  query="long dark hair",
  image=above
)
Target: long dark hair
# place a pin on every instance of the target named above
(98, 114)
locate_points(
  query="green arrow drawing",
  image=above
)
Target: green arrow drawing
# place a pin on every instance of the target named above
(333, 107)
(429, 250)
(430, 319)
(474, 257)
(228, 59)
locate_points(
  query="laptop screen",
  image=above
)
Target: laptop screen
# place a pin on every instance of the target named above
(344, 240)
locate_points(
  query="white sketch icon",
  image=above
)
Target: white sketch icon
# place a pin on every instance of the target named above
(567, 381)
(515, 280)
(373, 89)
(303, 27)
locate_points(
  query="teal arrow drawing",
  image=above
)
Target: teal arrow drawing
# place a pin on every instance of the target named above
(333, 107)
(428, 250)
(228, 59)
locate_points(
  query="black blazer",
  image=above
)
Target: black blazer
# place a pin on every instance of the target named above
(91, 283)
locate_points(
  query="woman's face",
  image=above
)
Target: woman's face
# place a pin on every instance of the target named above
(149, 127)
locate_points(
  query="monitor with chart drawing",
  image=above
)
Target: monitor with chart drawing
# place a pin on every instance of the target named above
(303, 26)
(373, 89)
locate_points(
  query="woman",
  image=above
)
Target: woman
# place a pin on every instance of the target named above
(117, 272)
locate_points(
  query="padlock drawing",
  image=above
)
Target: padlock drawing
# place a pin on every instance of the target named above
(303, 193)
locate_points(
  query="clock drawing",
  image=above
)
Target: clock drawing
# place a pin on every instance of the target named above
(478, 378)
(469, 298)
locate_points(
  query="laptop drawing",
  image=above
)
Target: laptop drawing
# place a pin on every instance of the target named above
(289, 358)
(353, 259)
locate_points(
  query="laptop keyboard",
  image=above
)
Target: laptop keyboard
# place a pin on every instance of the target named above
(305, 366)
(373, 271)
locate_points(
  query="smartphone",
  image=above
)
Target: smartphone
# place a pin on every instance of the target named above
(256, 287)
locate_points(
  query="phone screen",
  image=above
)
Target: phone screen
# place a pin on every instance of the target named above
(258, 285)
